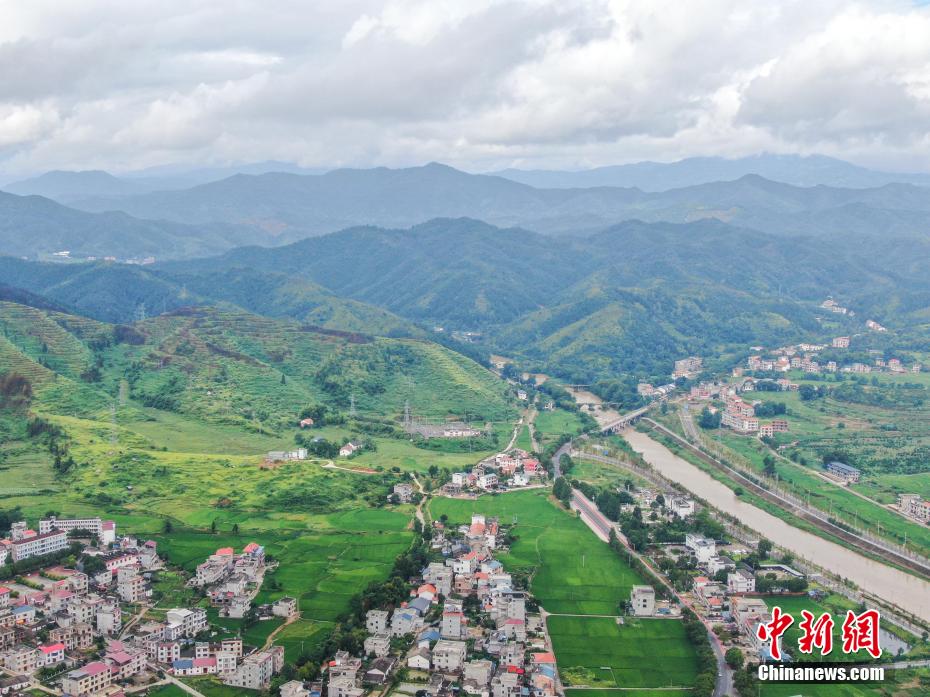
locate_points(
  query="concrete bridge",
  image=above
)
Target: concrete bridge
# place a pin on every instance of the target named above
(625, 420)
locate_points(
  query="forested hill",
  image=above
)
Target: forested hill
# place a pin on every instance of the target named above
(627, 300)
(237, 368)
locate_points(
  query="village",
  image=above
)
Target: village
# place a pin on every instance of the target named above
(466, 625)
(512, 469)
(87, 630)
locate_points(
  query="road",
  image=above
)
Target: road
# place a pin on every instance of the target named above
(601, 527)
(557, 459)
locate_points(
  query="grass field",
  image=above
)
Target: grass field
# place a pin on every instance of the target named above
(574, 573)
(601, 475)
(552, 424)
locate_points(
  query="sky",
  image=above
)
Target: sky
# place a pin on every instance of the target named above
(478, 84)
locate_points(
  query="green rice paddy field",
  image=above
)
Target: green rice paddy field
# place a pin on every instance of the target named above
(576, 577)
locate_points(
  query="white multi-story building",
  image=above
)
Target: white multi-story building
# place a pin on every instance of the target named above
(702, 547)
(105, 530)
(376, 622)
(643, 601)
(89, 680)
(741, 581)
(39, 545)
(256, 670)
(449, 656)
(182, 622)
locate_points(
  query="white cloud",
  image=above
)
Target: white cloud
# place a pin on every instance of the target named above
(479, 84)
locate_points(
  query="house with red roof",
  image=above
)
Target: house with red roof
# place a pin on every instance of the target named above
(50, 654)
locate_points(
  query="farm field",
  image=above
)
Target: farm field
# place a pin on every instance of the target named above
(574, 573)
(322, 568)
(523, 439)
(585, 646)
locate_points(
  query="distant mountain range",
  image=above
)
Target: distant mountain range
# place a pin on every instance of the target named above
(278, 208)
(34, 227)
(811, 170)
(69, 186)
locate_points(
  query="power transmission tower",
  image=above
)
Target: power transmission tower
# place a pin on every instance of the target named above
(352, 412)
(407, 422)
(140, 312)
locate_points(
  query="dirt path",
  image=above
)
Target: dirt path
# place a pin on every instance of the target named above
(516, 433)
(270, 640)
(333, 466)
(138, 616)
(423, 499)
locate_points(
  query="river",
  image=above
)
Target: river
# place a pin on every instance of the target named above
(898, 587)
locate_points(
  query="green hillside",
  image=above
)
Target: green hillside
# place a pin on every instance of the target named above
(173, 416)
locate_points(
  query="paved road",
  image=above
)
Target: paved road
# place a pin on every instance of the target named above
(557, 459)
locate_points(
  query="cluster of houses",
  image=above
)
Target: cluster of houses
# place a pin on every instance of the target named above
(725, 592)
(740, 416)
(465, 624)
(71, 621)
(514, 468)
(57, 617)
(804, 357)
(232, 580)
(724, 580)
(53, 536)
(914, 506)
(687, 367)
(836, 308)
(648, 391)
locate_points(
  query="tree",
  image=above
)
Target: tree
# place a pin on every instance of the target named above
(765, 547)
(562, 490)
(768, 466)
(734, 658)
(168, 527)
(235, 528)
(709, 419)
